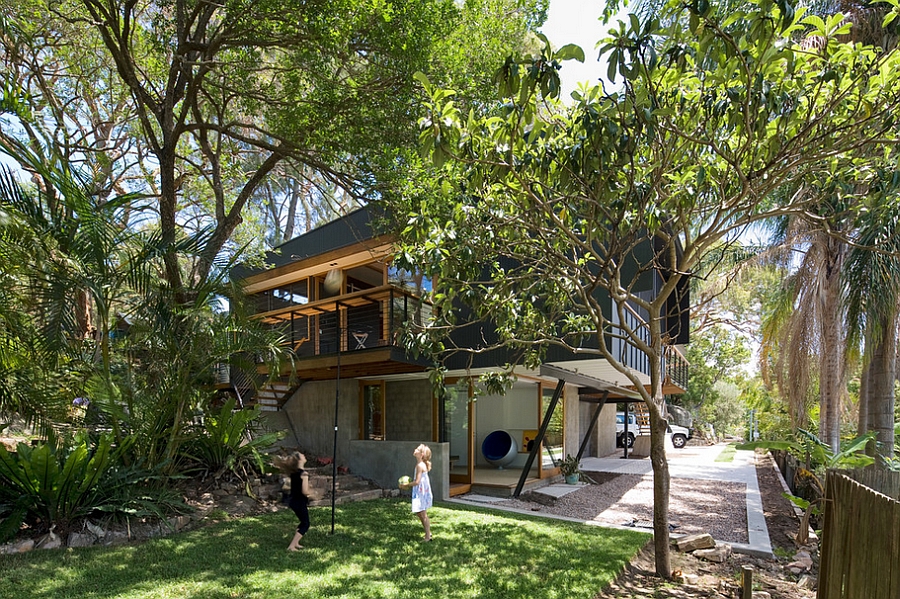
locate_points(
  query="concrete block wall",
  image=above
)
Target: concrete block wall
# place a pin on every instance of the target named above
(384, 462)
(408, 410)
(310, 414)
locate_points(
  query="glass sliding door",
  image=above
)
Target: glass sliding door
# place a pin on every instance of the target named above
(458, 418)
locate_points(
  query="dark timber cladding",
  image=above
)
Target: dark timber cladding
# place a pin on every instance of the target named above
(567, 376)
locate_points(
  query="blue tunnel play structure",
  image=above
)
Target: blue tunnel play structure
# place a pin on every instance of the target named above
(499, 448)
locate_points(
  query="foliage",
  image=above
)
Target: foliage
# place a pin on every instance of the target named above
(569, 466)
(359, 561)
(226, 440)
(283, 106)
(818, 457)
(717, 357)
(55, 484)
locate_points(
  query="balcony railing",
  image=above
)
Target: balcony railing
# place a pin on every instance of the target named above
(354, 321)
(675, 367)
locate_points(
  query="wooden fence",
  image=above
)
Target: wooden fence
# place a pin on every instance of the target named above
(860, 556)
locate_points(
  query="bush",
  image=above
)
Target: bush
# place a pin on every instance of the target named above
(58, 482)
(227, 441)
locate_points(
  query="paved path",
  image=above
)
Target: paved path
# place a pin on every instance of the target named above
(697, 462)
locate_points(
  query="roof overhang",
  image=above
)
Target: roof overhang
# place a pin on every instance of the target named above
(586, 380)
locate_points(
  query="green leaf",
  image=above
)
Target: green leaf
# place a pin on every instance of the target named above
(569, 52)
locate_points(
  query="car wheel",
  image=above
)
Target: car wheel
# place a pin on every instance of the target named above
(630, 440)
(679, 440)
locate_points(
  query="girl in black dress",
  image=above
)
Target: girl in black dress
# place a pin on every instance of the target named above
(299, 499)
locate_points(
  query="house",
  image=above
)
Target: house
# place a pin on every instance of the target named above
(339, 302)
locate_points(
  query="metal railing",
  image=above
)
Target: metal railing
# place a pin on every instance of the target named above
(350, 322)
(675, 366)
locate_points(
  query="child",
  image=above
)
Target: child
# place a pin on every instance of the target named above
(299, 500)
(421, 488)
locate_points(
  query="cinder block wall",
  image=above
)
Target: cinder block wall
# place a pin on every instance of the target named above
(310, 414)
(384, 462)
(408, 410)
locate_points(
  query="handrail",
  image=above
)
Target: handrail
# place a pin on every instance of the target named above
(335, 303)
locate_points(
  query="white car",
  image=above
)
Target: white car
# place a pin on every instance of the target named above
(680, 434)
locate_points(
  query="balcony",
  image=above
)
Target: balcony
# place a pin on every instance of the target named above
(366, 319)
(675, 366)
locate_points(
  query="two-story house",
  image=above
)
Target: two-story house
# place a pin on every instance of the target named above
(340, 303)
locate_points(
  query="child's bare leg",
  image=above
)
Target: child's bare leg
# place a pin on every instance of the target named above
(295, 542)
(426, 524)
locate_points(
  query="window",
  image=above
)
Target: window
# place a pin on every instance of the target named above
(414, 282)
(371, 411)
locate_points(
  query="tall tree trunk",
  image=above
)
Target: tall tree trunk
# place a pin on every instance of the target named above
(658, 456)
(831, 363)
(881, 390)
(862, 426)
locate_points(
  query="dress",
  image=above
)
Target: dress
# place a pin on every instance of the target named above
(421, 494)
(299, 502)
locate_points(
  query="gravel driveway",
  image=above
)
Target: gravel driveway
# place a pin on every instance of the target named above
(704, 495)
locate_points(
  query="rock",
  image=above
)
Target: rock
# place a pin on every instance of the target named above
(50, 540)
(80, 539)
(802, 563)
(718, 554)
(95, 530)
(115, 537)
(806, 582)
(693, 542)
(23, 546)
(795, 571)
(179, 522)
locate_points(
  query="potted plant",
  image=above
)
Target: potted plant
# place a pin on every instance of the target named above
(569, 468)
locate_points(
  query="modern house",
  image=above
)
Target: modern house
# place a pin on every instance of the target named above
(340, 304)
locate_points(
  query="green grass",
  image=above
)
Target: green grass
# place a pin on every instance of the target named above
(375, 552)
(727, 454)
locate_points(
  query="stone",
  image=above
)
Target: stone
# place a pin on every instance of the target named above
(95, 530)
(50, 540)
(23, 546)
(80, 539)
(806, 582)
(115, 537)
(718, 554)
(694, 542)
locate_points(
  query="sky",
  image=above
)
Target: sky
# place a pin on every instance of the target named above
(577, 22)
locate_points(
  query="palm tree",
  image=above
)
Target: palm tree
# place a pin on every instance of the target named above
(872, 288)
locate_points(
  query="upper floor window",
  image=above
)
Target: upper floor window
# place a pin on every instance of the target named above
(415, 282)
(293, 294)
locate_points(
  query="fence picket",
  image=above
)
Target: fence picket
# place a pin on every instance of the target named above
(861, 539)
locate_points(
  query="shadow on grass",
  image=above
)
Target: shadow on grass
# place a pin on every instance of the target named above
(375, 552)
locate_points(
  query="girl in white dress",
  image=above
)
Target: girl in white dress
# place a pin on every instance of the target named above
(422, 497)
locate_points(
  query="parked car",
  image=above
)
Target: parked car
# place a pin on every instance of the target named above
(680, 434)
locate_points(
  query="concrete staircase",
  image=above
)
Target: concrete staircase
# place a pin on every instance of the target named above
(348, 488)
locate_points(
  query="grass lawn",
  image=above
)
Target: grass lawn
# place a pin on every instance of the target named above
(375, 552)
(727, 454)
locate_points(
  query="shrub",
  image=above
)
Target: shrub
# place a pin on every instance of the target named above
(58, 482)
(227, 441)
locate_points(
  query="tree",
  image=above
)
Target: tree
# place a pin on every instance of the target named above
(872, 290)
(213, 98)
(536, 208)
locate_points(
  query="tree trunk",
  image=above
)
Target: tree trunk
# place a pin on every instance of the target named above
(881, 391)
(862, 426)
(658, 458)
(831, 364)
